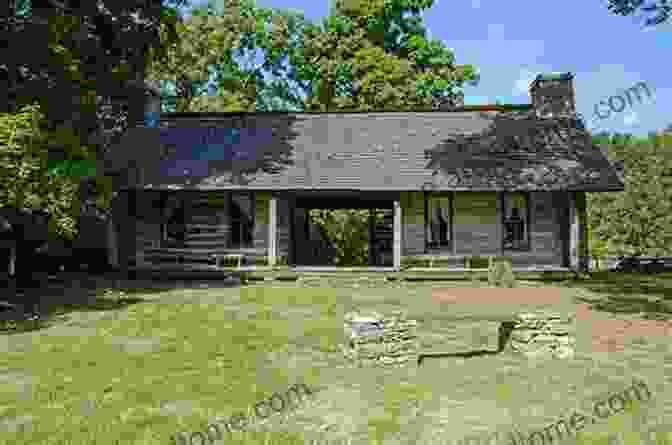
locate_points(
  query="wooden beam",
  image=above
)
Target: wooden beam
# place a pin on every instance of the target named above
(583, 247)
(396, 246)
(112, 243)
(12, 260)
(292, 233)
(372, 239)
(574, 233)
(272, 231)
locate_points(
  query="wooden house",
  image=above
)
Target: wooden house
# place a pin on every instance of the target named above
(202, 184)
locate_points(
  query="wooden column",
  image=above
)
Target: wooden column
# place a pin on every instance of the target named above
(12, 260)
(272, 230)
(396, 246)
(500, 222)
(372, 260)
(574, 233)
(583, 250)
(112, 243)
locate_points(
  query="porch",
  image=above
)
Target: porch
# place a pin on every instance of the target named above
(273, 233)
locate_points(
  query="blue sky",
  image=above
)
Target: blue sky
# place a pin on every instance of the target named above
(511, 42)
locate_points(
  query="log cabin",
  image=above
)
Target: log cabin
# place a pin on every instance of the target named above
(195, 185)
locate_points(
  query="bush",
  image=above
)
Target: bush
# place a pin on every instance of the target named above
(500, 273)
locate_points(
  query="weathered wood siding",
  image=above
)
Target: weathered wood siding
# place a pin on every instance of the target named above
(147, 211)
(261, 221)
(208, 223)
(412, 223)
(283, 232)
(124, 223)
(476, 223)
(545, 232)
(545, 245)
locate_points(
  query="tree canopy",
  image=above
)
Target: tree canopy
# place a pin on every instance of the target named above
(374, 55)
(73, 56)
(637, 221)
(657, 12)
(24, 178)
(363, 56)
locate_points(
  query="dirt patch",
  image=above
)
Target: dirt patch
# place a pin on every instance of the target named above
(612, 334)
(495, 295)
(607, 334)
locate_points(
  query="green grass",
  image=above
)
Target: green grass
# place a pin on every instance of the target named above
(157, 363)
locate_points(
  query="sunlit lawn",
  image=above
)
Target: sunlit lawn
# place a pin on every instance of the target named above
(144, 371)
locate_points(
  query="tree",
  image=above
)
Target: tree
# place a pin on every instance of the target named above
(206, 43)
(637, 221)
(75, 55)
(219, 42)
(24, 180)
(78, 62)
(347, 229)
(373, 55)
(658, 11)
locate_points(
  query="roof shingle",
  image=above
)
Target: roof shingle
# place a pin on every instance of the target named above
(359, 151)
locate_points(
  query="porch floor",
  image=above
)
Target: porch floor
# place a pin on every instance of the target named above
(301, 273)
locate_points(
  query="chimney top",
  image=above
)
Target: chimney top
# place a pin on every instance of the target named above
(553, 94)
(550, 76)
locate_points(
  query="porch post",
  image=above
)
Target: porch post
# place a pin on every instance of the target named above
(573, 233)
(582, 221)
(12, 260)
(112, 246)
(371, 239)
(397, 236)
(272, 230)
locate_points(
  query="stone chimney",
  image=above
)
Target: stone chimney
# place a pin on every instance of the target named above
(553, 94)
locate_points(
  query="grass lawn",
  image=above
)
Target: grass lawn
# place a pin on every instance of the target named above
(163, 361)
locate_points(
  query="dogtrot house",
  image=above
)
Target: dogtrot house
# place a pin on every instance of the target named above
(436, 184)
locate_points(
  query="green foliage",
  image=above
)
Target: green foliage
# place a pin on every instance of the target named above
(366, 55)
(206, 42)
(72, 57)
(348, 230)
(374, 55)
(24, 178)
(500, 273)
(219, 42)
(659, 11)
(637, 221)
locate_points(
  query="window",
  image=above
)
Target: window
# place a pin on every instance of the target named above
(516, 221)
(439, 221)
(242, 219)
(173, 228)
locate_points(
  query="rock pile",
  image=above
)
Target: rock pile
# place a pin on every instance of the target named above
(374, 339)
(543, 334)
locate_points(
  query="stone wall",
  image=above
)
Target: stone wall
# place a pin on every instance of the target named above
(543, 334)
(374, 339)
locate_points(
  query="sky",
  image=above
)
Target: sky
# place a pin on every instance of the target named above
(510, 42)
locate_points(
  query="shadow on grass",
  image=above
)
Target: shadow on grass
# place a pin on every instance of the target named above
(469, 354)
(629, 293)
(627, 283)
(59, 298)
(503, 336)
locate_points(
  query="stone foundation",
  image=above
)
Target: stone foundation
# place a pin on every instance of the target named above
(373, 339)
(543, 334)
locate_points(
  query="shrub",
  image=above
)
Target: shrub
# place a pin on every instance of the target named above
(500, 273)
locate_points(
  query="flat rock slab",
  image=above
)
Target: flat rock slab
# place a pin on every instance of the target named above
(498, 295)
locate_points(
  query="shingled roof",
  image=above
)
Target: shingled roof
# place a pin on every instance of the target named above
(439, 150)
